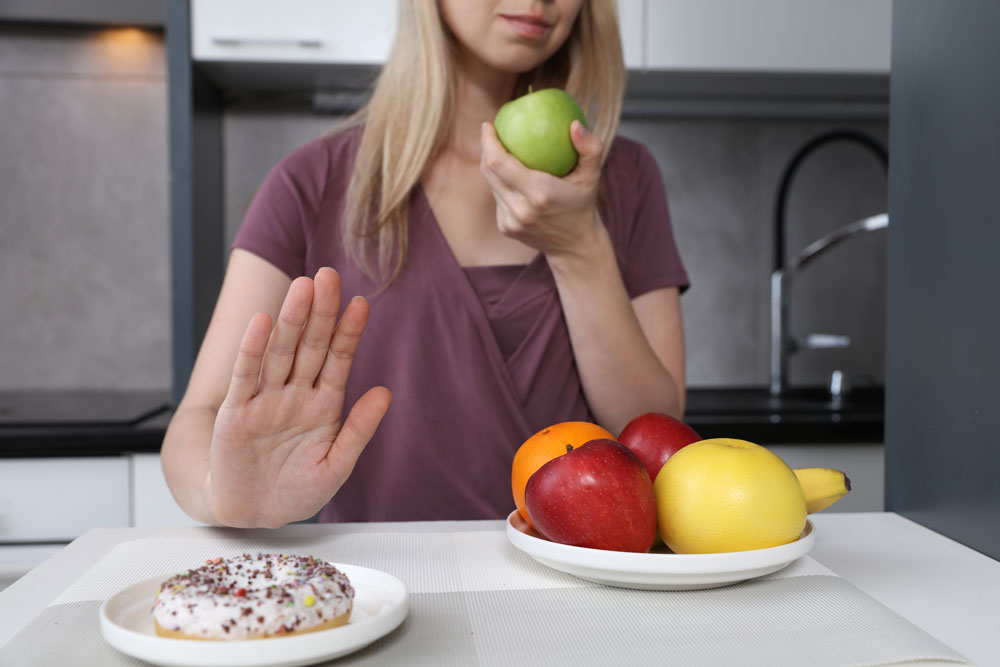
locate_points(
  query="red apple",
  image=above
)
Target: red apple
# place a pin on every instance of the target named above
(597, 495)
(655, 437)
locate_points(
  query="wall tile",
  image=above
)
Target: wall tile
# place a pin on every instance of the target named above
(721, 178)
(80, 52)
(84, 254)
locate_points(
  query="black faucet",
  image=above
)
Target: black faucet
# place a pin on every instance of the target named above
(782, 345)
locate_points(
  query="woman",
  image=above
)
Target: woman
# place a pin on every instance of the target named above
(502, 299)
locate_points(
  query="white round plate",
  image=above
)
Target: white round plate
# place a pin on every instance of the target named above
(380, 605)
(659, 569)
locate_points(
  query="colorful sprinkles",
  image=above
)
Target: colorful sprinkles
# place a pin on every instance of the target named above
(252, 596)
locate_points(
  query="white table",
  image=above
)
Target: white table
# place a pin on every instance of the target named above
(945, 588)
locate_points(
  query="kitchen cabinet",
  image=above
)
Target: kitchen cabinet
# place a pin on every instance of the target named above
(864, 465)
(47, 502)
(293, 31)
(152, 503)
(792, 36)
(332, 32)
(58, 499)
(632, 25)
(850, 36)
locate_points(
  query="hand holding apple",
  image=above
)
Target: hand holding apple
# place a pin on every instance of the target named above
(654, 437)
(557, 216)
(597, 495)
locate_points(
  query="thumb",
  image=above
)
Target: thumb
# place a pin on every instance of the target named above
(358, 429)
(587, 145)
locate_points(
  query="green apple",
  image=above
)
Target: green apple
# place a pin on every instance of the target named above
(534, 128)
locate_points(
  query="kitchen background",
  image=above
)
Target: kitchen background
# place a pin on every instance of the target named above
(84, 240)
(85, 230)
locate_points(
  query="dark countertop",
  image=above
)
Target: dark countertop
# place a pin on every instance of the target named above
(82, 423)
(801, 416)
(103, 423)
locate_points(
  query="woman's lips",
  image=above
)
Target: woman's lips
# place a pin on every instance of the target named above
(528, 27)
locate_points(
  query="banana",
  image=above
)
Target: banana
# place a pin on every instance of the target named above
(822, 487)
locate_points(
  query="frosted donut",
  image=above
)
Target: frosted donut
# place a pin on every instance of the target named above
(253, 597)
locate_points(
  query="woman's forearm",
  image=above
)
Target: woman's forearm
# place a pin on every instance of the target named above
(621, 374)
(185, 460)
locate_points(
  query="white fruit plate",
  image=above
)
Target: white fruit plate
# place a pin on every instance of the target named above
(659, 569)
(381, 602)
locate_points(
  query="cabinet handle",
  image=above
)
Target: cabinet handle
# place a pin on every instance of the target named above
(267, 41)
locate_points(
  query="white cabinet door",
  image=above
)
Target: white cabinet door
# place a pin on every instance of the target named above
(152, 502)
(292, 31)
(58, 499)
(842, 36)
(631, 23)
(864, 465)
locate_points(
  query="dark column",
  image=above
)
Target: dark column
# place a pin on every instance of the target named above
(943, 320)
(196, 215)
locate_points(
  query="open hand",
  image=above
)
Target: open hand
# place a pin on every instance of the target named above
(280, 449)
(553, 215)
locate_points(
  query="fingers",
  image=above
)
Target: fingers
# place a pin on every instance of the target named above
(315, 339)
(358, 429)
(501, 169)
(246, 371)
(590, 149)
(285, 335)
(346, 337)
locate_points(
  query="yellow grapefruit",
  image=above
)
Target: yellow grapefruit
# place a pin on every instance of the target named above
(724, 495)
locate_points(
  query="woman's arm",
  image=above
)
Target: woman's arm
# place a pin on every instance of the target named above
(250, 285)
(629, 353)
(257, 439)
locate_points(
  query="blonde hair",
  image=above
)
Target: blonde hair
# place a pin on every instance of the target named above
(414, 93)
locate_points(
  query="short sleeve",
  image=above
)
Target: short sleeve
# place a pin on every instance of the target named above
(283, 213)
(643, 232)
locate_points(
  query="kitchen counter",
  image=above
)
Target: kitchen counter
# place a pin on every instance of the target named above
(802, 415)
(36, 424)
(85, 423)
(939, 585)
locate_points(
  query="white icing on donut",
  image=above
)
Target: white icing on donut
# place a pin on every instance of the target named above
(251, 596)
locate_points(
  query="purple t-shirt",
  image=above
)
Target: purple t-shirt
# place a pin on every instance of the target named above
(477, 359)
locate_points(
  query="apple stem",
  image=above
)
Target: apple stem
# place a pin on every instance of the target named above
(569, 448)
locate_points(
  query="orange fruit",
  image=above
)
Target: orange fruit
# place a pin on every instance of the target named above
(544, 446)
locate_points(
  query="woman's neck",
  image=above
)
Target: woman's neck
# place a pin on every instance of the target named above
(480, 92)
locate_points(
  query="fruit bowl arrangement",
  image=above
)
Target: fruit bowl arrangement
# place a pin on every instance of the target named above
(659, 507)
(658, 569)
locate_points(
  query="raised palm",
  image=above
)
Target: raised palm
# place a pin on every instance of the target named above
(281, 447)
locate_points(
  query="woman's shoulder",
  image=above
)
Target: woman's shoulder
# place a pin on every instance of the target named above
(317, 156)
(318, 168)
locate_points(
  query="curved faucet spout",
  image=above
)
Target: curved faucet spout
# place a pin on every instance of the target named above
(818, 247)
(782, 345)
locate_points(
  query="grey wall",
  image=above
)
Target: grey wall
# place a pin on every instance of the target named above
(83, 210)
(84, 241)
